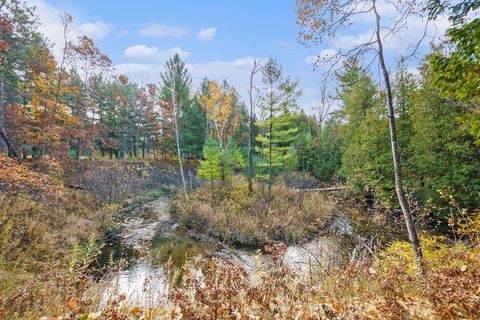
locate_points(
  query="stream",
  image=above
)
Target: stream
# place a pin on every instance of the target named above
(151, 243)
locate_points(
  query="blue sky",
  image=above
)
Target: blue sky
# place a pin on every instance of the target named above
(218, 39)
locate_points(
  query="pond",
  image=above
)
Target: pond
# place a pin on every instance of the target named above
(151, 245)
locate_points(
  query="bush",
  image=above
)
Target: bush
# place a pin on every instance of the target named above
(390, 288)
(230, 214)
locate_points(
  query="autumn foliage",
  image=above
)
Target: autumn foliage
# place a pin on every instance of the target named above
(15, 177)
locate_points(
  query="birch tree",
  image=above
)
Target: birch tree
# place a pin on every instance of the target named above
(322, 20)
(66, 21)
(253, 101)
(324, 107)
(176, 86)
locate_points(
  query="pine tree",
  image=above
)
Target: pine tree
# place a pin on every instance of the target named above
(277, 129)
(210, 167)
(327, 150)
(444, 154)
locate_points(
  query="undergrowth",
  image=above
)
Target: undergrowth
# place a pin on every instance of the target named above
(229, 213)
(386, 288)
(37, 267)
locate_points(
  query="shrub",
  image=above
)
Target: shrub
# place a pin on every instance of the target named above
(230, 213)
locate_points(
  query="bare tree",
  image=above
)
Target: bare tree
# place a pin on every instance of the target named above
(324, 107)
(66, 20)
(253, 101)
(322, 20)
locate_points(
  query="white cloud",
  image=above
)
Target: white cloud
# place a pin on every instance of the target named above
(141, 51)
(404, 41)
(206, 35)
(350, 41)
(51, 27)
(166, 54)
(140, 72)
(159, 31)
(96, 30)
(410, 30)
(236, 72)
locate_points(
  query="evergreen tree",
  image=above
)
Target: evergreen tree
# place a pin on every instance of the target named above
(192, 122)
(191, 117)
(445, 156)
(218, 163)
(307, 129)
(365, 149)
(326, 148)
(277, 129)
(176, 95)
(210, 167)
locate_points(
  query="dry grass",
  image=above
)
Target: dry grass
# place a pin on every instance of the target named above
(388, 288)
(230, 214)
(36, 282)
(36, 240)
(42, 276)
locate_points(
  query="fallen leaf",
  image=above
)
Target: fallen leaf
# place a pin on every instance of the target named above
(72, 303)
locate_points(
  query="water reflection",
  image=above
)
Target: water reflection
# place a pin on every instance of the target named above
(145, 268)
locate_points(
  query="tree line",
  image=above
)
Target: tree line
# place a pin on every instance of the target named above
(75, 106)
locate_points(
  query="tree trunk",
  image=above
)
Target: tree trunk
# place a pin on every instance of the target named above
(5, 144)
(270, 138)
(412, 232)
(250, 151)
(61, 72)
(137, 153)
(250, 130)
(177, 138)
(223, 171)
(77, 151)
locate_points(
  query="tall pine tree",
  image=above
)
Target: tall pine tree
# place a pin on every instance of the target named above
(277, 127)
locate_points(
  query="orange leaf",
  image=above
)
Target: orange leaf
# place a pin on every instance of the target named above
(72, 303)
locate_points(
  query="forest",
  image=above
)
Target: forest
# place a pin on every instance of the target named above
(121, 199)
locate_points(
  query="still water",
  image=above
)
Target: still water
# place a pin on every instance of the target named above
(151, 245)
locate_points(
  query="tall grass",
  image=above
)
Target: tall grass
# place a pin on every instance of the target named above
(231, 214)
(36, 241)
